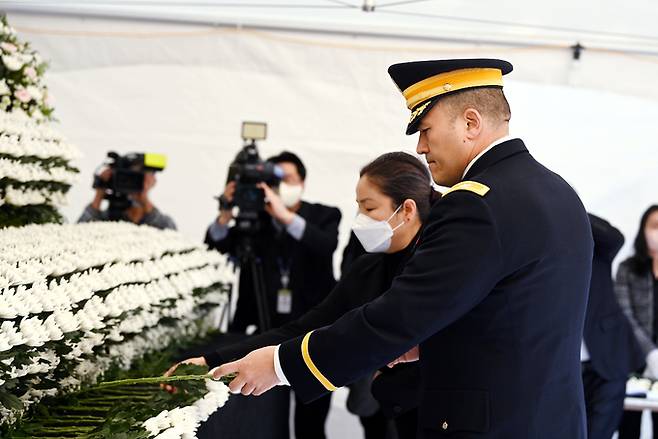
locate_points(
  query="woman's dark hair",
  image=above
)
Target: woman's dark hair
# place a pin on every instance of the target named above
(641, 261)
(401, 176)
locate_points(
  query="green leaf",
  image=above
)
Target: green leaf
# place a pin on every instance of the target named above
(10, 401)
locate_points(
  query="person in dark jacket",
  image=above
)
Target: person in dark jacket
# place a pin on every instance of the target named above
(395, 186)
(609, 351)
(295, 247)
(636, 287)
(493, 300)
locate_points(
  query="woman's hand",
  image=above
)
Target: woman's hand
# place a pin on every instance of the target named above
(199, 361)
(412, 355)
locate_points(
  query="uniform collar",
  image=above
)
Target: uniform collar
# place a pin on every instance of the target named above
(484, 151)
(506, 148)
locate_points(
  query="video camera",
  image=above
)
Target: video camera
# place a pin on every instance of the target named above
(127, 178)
(247, 170)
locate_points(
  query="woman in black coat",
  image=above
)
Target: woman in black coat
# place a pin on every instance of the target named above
(394, 195)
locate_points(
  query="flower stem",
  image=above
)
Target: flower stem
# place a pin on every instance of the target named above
(163, 379)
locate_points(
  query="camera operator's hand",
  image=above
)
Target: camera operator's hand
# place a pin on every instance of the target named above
(275, 207)
(226, 215)
(100, 193)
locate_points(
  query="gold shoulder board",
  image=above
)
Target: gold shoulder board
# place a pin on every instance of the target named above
(471, 186)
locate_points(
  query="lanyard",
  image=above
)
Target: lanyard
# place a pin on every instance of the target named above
(284, 272)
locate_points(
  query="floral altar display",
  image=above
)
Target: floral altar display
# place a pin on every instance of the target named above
(35, 160)
(83, 304)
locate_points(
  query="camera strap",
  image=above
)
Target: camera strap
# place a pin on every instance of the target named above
(284, 295)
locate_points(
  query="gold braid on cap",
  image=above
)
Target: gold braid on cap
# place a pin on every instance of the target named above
(451, 81)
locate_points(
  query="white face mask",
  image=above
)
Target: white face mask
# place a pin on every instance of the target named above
(375, 236)
(290, 194)
(652, 240)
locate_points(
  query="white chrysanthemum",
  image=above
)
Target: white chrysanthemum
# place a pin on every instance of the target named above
(52, 329)
(12, 62)
(185, 419)
(8, 47)
(35, 92)
(33, 332)
(13, 336)
(158, 423)
(66, 321)
(4, 343)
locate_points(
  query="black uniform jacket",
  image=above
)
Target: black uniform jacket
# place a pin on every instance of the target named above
(309, 262)
(495, 295)
(613, 349)
(369, 277)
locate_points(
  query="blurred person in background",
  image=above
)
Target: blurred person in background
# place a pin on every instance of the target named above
(126, 183)
(609, 352)
(295, 247)
(636, 287)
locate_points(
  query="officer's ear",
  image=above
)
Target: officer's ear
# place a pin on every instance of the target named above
(409, 210)
(472, 120)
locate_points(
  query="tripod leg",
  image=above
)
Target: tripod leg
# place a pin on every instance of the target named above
(261, 296)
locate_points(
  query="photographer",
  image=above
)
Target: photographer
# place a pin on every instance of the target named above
(127, 192)
(294, 246)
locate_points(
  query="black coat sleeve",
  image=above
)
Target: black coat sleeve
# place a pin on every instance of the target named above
(226, 245)
(457, 263)
(351, 253)
(321, 233)
(337, 303)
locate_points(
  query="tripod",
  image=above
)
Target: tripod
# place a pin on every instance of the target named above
(248, 258)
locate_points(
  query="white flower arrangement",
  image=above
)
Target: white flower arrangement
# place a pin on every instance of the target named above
(20, 135)
(26, 172)
(26, 197)
(23, 76)
(183, 422)
(35, 169)
(101, 291)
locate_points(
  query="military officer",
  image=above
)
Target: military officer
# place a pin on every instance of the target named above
(492, 302)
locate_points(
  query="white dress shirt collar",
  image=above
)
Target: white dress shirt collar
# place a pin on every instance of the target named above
(484, 151)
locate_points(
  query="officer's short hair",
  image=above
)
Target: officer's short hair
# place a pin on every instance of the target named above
(490, 102)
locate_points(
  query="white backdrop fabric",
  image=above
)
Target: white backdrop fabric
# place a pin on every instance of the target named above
(183, 90)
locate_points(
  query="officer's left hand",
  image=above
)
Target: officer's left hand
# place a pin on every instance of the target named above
(412, 355)
(255, 371)
(275, 206)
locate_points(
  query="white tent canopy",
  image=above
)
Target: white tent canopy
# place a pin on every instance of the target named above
(542, 37)
(163, 77)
